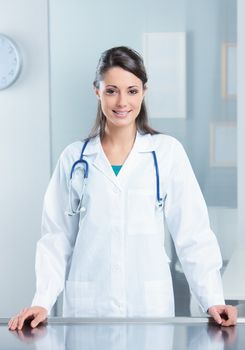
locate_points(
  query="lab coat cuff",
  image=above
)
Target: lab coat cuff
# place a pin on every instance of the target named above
(43, 301)
(214, 300)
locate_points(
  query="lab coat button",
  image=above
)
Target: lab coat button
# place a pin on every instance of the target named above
(116, 190)
(118, 304)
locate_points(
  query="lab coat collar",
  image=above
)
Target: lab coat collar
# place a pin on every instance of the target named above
(93, 146)
(143, 143)
(95, 152)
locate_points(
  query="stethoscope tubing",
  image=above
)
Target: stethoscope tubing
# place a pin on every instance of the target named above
(86, 172)
(81, 161)
(159, 199)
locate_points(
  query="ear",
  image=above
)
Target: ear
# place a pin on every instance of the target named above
(97, 93)
(145, 90)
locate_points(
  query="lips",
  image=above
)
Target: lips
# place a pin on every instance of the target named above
(121, 113)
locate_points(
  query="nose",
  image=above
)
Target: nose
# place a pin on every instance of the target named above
(122, 100)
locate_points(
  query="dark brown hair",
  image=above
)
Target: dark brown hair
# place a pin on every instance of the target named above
(131, 61)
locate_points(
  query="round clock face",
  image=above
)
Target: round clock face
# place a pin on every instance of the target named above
(10, 62)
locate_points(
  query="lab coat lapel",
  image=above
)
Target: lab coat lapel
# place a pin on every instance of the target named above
(100, 160)
(143, 144)
(102, 164)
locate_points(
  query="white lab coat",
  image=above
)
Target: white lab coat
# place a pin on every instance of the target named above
(111, 261)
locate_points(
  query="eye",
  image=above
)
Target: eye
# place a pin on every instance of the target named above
(110, 92)
(133, 92)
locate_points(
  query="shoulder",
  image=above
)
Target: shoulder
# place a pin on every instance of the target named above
(161, 143)
(70, 154)
(72, 150)
(169, 151)
(167, 143)
(163, 139)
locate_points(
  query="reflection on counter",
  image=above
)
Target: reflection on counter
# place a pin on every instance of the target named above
(124, 336)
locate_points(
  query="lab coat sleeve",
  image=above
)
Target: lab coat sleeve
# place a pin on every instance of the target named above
(58, 237)
(188, 222)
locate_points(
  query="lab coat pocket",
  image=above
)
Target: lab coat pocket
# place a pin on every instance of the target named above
(141, 212)
(80, 297)
(159, 301)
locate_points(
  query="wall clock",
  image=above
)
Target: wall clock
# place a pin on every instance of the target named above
(10, 62)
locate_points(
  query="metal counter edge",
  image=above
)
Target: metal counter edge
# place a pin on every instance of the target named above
(86, 320)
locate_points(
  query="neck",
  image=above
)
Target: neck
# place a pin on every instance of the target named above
(117, 143)
(119, 136)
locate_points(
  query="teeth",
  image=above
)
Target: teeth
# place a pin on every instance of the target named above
(121, 113)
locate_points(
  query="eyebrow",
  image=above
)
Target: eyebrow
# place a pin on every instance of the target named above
(129, 87)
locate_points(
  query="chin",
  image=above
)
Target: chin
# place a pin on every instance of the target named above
(123, 123)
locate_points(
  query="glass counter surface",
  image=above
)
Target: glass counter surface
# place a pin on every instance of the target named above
(124, 334)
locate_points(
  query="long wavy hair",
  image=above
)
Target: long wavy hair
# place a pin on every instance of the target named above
(129, 60)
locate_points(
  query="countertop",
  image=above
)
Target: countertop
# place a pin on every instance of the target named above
(125, 334)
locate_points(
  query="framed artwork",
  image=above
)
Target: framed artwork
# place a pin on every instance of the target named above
(165, 59)
(229, 63)
(223, 144)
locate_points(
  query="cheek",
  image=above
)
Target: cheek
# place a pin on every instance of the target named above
(104, 103)
(106, 106)
(108, 100)
(138, 103)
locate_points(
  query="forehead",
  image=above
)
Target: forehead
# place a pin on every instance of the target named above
(120, 77)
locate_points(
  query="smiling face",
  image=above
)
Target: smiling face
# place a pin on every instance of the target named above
(121, 94)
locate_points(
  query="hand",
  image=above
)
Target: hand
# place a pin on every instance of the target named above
(34, 314)
(224, 315)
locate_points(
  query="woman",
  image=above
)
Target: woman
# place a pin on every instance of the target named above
(108, 253)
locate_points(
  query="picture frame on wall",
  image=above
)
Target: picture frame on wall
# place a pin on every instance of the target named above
(165, 60)
(228, 64)
(223, 144)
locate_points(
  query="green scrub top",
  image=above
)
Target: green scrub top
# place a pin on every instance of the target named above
(116, 169)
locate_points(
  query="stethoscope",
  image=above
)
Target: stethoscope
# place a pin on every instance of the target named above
(82, 164)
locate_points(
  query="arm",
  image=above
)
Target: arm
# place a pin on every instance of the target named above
(55, 247)
(196, 245)
(58, 238)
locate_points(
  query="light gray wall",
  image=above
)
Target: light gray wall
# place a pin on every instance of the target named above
(81, 30)
(241, 122)
(24, 151)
